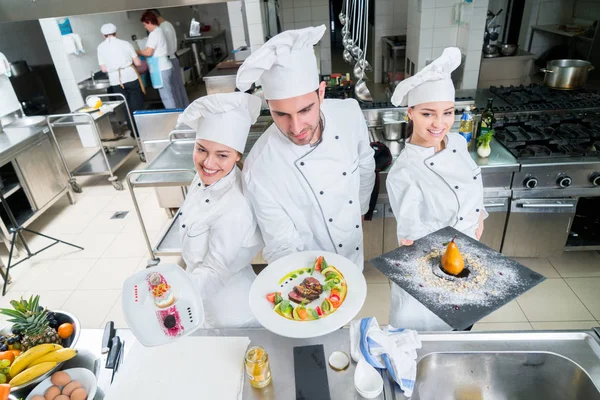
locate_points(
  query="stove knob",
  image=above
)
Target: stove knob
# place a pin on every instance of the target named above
(564, 181)
(530, 183)
(595, 178)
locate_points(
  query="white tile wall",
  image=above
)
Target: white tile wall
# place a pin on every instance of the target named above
(256, 34)
(475, 39)
(463, 38)
(445, 3)
(470, 79)
(428, 18)
(384, 7)
(302, 14)
(445, 37)
(482, 3)
(479, 16)
(436, 52)
(425, 4)
(426, 38)
(473, 60)
(253, 13)
(444, 17)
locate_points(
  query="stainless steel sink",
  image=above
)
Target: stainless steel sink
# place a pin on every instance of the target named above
(26, 122)
(491, 376)
(99, 85)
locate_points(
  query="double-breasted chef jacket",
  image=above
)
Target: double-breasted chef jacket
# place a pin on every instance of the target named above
(313, 198)
(429, 191)
(219, 238)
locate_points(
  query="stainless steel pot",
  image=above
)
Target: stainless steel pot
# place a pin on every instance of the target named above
(394, 130)
(566, 74)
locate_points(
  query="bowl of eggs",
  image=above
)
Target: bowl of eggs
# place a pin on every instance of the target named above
(70, 384)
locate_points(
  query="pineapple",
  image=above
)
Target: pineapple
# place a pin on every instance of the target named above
(31, 321)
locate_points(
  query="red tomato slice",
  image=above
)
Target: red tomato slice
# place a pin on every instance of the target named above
(335, 300)
(271, 297)
(318, 263)
(319, 311)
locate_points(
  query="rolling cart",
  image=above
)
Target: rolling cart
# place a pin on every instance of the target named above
(106, 160)
(174, 167)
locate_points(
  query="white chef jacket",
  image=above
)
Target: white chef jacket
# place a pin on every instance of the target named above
(312, 198)
(158, 41)
(219, 238)
(117, 55)
(429, 191)
(170, 36)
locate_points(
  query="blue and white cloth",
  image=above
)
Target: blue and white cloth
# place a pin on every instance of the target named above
(393, 349)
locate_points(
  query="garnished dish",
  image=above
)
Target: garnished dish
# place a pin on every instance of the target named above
(310, 293)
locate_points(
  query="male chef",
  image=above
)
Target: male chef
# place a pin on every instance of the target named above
(309, 177)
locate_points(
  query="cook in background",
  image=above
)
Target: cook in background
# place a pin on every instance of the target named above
(119, 59)
(218, 230)
(161, 69)
(309, 177)
(181, 97)
(434, 182)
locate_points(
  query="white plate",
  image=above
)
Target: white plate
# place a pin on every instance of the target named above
(141, 313)
(84, 376)
(267, 282)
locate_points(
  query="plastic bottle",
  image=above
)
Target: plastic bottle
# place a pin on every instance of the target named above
(466, 125)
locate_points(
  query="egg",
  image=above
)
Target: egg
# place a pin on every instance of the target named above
(79, 394)
(62, 397)
(38, 397)
(60, 379)
(70, 387)
(51, 393)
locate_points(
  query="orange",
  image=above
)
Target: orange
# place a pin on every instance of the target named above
(7, 355)
(65, 330)
(15, 352)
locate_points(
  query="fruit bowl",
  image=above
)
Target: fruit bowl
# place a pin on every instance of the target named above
(61, 317)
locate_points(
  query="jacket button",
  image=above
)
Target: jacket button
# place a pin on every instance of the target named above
(350, 202)
(344, 173)
(207, 200)
(474, 178)
(477, 209)
(180, 213)
(358, 226)
(330, 219)
(321, 192)
(431, 164)
(337, 137)
(461, 218)
(357, 249)
(340, 245)
(302, 163)
(199, 184)
(183, 226)
(455, 187)
(454, 151)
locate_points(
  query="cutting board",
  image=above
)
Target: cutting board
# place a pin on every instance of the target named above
(460, 302)
(189, 368)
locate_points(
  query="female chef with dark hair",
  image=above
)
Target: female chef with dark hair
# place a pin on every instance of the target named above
(218, 230)
(434, 183)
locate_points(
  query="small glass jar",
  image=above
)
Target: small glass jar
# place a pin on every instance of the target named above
(257, 367)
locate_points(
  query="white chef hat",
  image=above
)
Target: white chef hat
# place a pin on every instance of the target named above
(224, 118)
(285, 66)
(108, 29)
(432, 83)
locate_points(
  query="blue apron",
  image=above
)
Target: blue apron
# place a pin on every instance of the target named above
(153, 68)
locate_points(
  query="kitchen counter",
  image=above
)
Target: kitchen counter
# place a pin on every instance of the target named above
(553, 354)
(14, 140)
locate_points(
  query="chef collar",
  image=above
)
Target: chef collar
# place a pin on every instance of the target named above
(426, 152)
(216, 190)
(223, 118)
(432, 84)
(285, 66)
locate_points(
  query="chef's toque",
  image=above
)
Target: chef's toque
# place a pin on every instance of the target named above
(285, 66)
(108, 29)
(432, 83)
(223, 118)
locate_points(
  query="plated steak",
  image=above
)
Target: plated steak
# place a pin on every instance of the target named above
(310, 289)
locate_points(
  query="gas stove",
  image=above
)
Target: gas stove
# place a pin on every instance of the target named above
(537, 97)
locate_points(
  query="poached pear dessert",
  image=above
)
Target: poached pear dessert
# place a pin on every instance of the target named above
(452, 261)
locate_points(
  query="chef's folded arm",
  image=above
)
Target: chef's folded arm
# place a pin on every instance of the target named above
(366, 165)
(278, 231)
(223, 248)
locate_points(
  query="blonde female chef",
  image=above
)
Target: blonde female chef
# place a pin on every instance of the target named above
(434, 183)
(218, 230)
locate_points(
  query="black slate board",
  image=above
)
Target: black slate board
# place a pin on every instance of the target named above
(506, 279)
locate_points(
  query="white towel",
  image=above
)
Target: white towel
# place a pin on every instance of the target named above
(78, 43)
(4, 66)
(393, 349)
(72, 44)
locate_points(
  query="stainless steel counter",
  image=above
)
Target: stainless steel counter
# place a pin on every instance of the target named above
(14, 140)
(579, 353)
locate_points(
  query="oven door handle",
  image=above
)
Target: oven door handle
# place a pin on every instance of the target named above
(486, 205)
(547, 205)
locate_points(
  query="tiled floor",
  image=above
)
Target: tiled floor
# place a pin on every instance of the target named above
(88, 282)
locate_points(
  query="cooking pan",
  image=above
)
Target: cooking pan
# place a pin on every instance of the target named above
(566, 74)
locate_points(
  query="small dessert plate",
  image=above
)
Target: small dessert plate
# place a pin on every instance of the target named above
(162, 304)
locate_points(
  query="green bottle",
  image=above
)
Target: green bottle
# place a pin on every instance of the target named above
(487, 118)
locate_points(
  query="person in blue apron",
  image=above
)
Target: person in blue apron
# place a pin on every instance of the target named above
(309, 177)
(434, 182)
(218, 231)
(118, 58)
(160, 67)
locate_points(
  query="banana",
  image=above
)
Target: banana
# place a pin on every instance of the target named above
(25, 359)
(31, 373)
(59, 355)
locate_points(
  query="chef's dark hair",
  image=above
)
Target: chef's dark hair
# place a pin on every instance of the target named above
(150, 18)
(409, 126)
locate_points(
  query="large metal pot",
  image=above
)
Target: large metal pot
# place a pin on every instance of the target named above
(566, 74)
